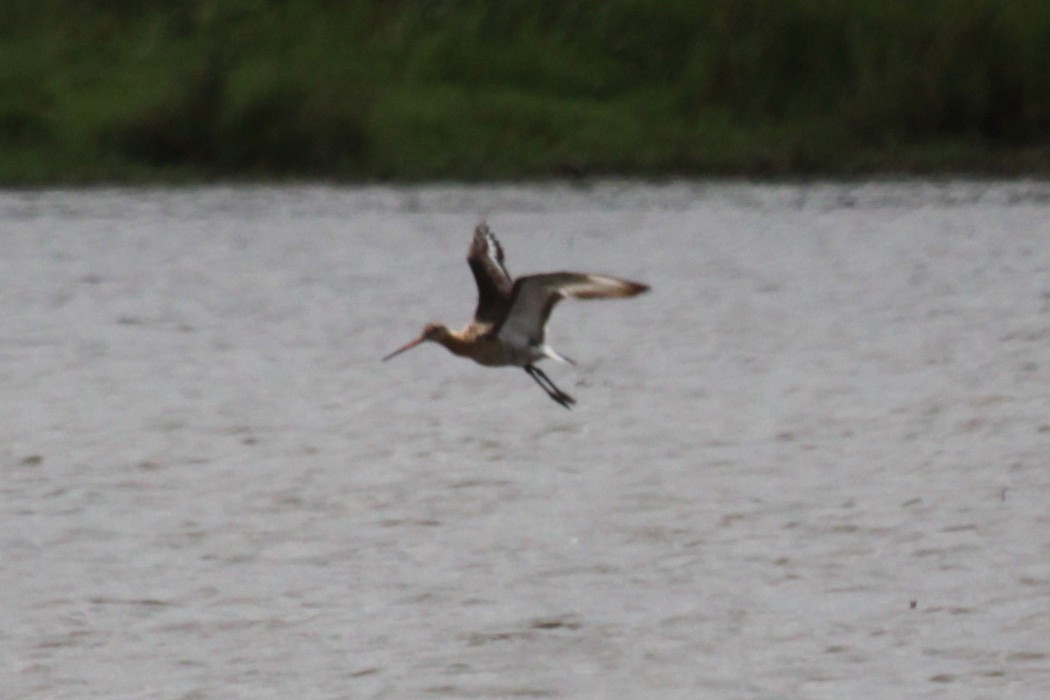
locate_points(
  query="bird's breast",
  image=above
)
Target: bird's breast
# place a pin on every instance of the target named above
(491, 352)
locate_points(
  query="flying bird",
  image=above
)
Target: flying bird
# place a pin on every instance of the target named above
(511, 316)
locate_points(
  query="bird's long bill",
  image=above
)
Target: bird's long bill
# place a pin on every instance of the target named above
(407, 346)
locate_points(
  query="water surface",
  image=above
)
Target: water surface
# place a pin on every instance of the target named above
(811, 463)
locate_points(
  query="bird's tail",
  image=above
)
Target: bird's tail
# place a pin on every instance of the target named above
(548, 351)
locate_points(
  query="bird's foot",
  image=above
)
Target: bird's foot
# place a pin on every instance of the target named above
(563, 399)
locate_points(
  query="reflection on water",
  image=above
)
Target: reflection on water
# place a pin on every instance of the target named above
(832, 404)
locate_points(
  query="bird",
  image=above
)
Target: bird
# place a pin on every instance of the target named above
(510, 320)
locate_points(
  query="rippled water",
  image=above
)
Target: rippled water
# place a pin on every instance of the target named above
(814, 462)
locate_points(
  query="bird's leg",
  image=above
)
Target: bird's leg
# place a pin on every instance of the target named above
(531, 371)
(543, 381)
(548, 386)
(558, 395)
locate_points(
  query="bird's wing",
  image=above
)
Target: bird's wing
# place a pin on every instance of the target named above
(485, 258)
(533, 298)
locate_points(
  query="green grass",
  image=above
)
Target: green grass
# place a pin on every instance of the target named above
(144, 90)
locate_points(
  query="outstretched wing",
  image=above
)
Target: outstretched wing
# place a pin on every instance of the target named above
(533, 297)
(485, 258)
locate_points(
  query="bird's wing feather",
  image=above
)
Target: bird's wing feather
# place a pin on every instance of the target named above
(533, 297)
(485, 258)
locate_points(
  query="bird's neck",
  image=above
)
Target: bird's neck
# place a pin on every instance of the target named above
(457, 343)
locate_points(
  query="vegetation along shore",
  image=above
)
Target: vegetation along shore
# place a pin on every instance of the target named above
(400, 90)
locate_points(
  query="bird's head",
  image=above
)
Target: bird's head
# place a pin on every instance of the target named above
(435, 332)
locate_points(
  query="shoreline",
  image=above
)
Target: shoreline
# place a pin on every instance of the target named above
(372, 92)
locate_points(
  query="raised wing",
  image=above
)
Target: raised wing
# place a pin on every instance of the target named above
(485, 258)
(533, 297)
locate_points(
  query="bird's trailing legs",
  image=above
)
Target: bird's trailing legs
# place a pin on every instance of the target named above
(548, 386)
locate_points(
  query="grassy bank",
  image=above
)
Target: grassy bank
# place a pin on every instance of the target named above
(142, 90)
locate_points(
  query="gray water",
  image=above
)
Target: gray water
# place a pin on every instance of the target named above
(813, 462)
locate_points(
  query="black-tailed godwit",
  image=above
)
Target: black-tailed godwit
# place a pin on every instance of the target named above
(511, 317)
